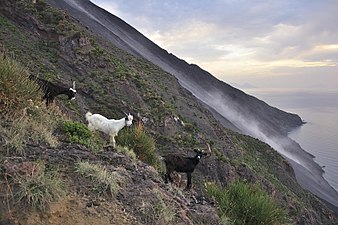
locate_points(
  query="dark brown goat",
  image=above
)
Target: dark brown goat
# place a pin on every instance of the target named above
(181, 164)
(52, 90)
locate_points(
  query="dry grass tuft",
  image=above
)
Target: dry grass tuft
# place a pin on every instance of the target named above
(104, 180)
(30, 184)
(23, 116)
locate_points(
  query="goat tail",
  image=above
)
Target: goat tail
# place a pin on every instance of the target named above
(88, 115)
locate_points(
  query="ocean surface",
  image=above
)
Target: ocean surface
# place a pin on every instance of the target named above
(319, 136)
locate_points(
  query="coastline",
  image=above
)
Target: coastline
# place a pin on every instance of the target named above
(317, 185)
(309, 175)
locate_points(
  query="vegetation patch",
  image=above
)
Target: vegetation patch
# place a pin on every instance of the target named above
(103, 179)
(24, 118)
(220, 155)
(33, 185)
(156, 211)
(35, 127)
(142, 144)
(126, 151)
(244, 203)
(17, 91)
(79, 133)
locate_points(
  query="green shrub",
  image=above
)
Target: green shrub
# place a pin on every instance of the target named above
(38, 188)
(142, 144)
(103, 179)
(247, 204)
(79, 133)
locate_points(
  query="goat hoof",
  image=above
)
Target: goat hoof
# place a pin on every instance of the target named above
(187, 189)
(109, 147)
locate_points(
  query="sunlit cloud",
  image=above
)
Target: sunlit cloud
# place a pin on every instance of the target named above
(241, 40)
(184, 33)
(328, 47)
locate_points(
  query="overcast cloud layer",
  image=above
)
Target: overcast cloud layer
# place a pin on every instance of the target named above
(275, 43)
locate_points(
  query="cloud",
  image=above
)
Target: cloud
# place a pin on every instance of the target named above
(239, 37)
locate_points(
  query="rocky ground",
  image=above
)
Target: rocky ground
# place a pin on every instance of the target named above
(143, 198)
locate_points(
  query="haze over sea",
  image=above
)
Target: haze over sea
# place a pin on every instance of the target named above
(319, 136)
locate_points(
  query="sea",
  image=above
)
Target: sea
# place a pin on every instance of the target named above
(319, 135)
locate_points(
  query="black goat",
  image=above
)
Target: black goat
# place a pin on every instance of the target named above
(181, 164)
(52, 90)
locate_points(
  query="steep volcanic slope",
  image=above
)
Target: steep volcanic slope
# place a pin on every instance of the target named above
(232, 107)
(196, 80)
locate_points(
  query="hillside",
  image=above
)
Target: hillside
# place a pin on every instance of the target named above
(52, 44)
(232, 108)
(196, 80)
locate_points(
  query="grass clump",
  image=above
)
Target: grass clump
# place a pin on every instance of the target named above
(142, 144)
(243, 204)
(17, 91)
(23, 117)
(104, 180)
(157, 209)
(79, 133)
(37, 187)
(35, 126)
(126, 151)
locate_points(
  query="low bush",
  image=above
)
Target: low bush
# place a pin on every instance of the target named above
(141, 143)
(244, 203)
(79, 133)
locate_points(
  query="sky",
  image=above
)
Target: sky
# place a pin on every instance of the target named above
(278, 44)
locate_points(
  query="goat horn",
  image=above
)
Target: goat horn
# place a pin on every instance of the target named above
(74, 85)
(209, 148)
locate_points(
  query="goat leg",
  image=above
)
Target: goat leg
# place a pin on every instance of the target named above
(168, 176)
(188, 181)
(112, 140)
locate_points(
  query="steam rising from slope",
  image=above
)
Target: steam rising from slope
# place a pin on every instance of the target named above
(308, 173)
(249, 126)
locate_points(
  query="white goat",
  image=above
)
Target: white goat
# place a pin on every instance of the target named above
(108, 126)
